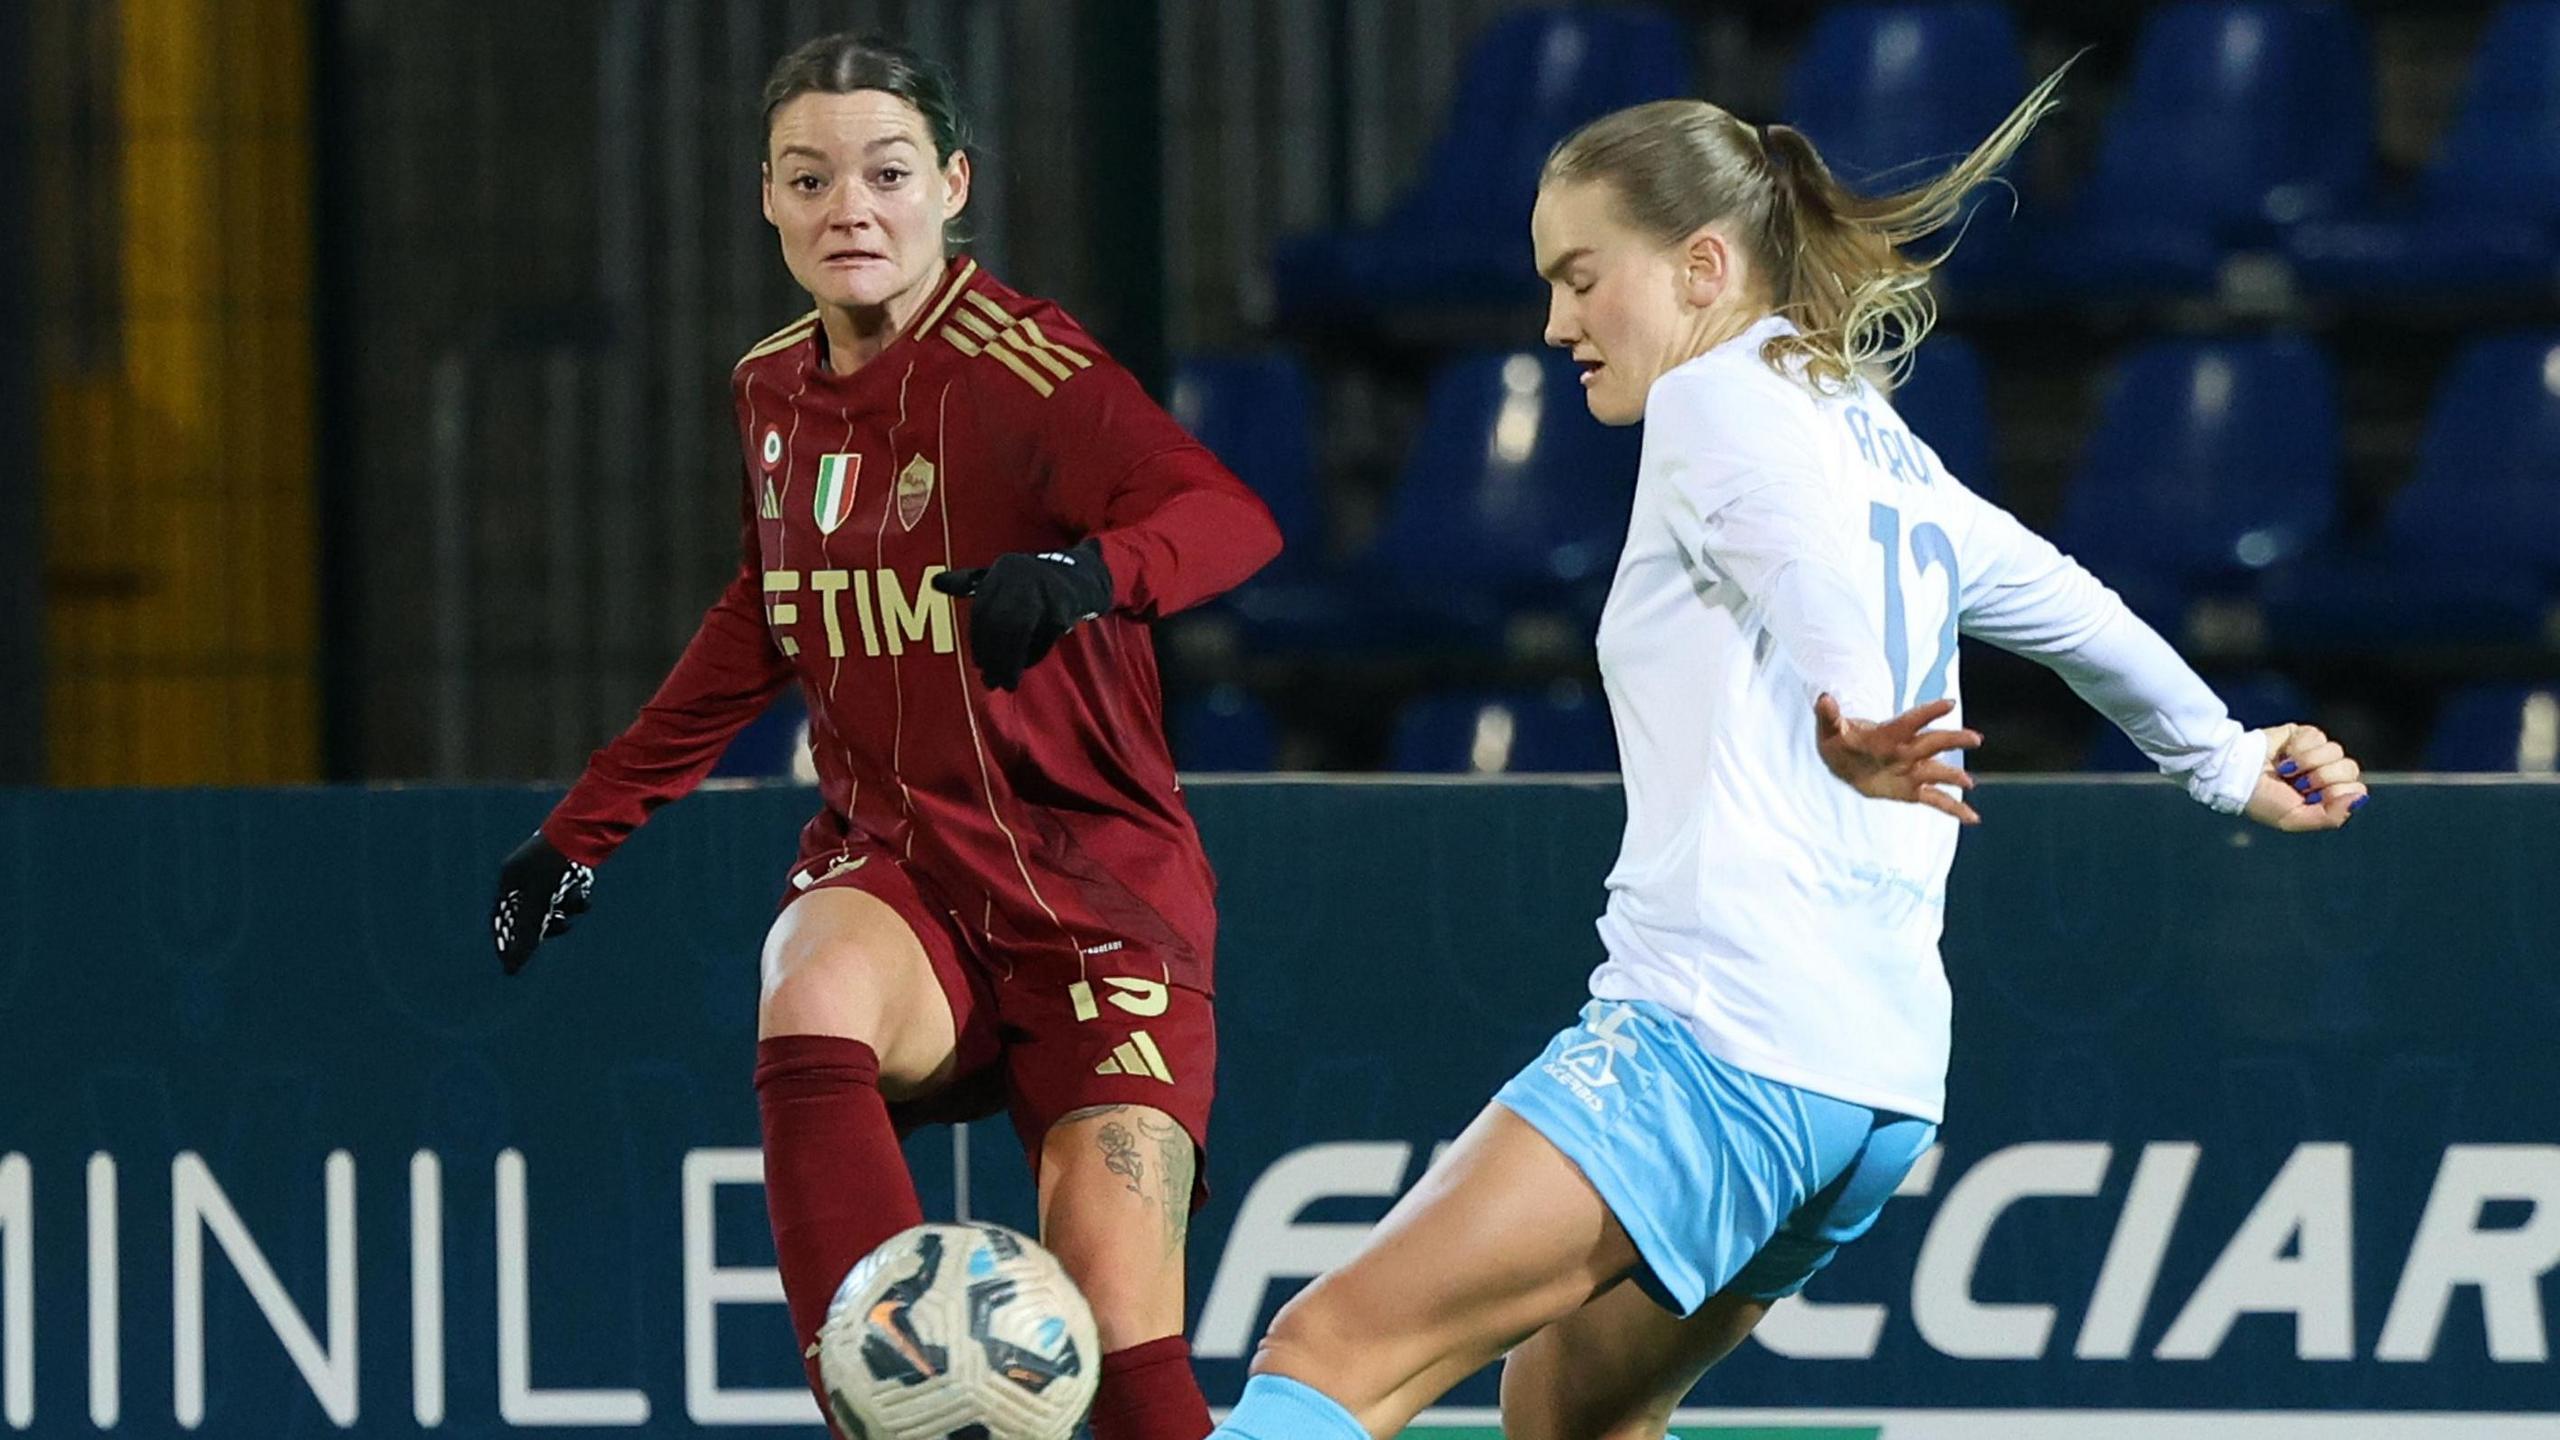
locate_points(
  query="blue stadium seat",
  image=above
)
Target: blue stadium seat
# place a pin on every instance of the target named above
(2512, 729)
(2488, 478)
(1945, 403)
(1511, 486)
(2502, 156)
(1511, 499)
(2471, 545)
(2487, 211)
(2211, 462)
(1257, 413)
(1880, 88)
(1224, 729)
(1566, 729)
(2265, 698)
(2242, 117)
(1460, 236)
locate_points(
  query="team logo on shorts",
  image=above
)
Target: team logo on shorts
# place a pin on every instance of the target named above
(834, 499)
(1588, 1067)
(915, 491)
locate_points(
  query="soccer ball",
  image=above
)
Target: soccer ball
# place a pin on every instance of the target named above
(959, 1332)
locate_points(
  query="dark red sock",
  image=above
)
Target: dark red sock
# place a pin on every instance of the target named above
(835, 1181)
(1149, 1393)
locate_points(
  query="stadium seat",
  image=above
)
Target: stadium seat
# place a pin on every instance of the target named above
(1880, 88)
(1511, 486)
(2242, 117)
(2211, 462)
(2470, 549)
(2260, 699)
(1257, 413)
(1563, 730)
(2509, 729)
(1944, 402)
(2486, 214)
(1511, 499)
(1460, 236)
(2488, 478)
(1224, 729)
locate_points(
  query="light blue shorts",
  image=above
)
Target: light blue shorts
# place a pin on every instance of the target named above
(1724, 1180)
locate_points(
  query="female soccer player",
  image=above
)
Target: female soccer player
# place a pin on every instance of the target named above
(1765, 1053)
(1002, 902)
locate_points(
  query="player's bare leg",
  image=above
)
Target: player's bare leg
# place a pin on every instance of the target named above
(1499, 1240)
(1616, 1368)
(851, 1016)
(840, 962)
(1115, 1207)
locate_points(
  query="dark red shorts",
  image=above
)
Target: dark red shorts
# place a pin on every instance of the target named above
(1039, 1039)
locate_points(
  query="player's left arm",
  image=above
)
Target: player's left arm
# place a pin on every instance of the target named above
(1173, 526)
(2024, 595)
(1165, 526)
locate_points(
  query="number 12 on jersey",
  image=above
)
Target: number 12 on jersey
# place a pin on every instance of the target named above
(1930, 550)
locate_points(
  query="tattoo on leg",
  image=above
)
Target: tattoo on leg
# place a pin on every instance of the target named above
(1124, 1155)
(1120, 1156)
(1176, 1160)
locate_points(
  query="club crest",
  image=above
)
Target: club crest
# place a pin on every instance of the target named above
(915, 491)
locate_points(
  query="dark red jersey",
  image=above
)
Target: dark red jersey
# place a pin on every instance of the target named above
(1047, 819)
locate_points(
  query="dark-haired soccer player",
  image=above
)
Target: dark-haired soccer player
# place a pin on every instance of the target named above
(959, 517)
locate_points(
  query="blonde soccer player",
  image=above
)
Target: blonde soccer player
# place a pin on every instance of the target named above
(1765, 1051)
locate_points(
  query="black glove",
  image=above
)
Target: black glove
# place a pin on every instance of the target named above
(538, 890)
(1021, 604)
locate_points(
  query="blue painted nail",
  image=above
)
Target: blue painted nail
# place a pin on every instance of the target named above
(2303, 783)
(2313, 797)
(2361, 802)
(2285, 769)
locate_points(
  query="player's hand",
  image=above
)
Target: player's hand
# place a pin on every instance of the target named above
(539, 890)
(1897, 759)
(1021, 605)
(2310, 781)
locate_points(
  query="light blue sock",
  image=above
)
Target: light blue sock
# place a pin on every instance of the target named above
(1275, 1407)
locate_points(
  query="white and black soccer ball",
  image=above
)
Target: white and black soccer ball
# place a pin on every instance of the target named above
(959, 1332)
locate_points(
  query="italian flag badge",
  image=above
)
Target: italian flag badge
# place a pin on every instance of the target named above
(834, 500)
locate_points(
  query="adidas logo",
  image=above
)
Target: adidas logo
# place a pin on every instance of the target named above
(1136, 1055)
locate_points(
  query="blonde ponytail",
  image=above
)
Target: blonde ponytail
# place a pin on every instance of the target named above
(1833, 257)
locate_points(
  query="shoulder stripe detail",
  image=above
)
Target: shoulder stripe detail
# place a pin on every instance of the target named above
(1019, 366)
(1069, 353)
(983, 327)
(791, 334)
(959, 287)
(1011, 359)
(1038, 354)
(991, 309)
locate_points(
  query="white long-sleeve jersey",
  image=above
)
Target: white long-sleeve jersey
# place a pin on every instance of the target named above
(1785, 544)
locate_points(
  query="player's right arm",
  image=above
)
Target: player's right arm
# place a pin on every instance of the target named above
(2025, 596)
(1746, 498)
(729, 672)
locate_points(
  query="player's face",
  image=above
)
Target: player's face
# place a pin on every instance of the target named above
(851, 186)
(1613, 297)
